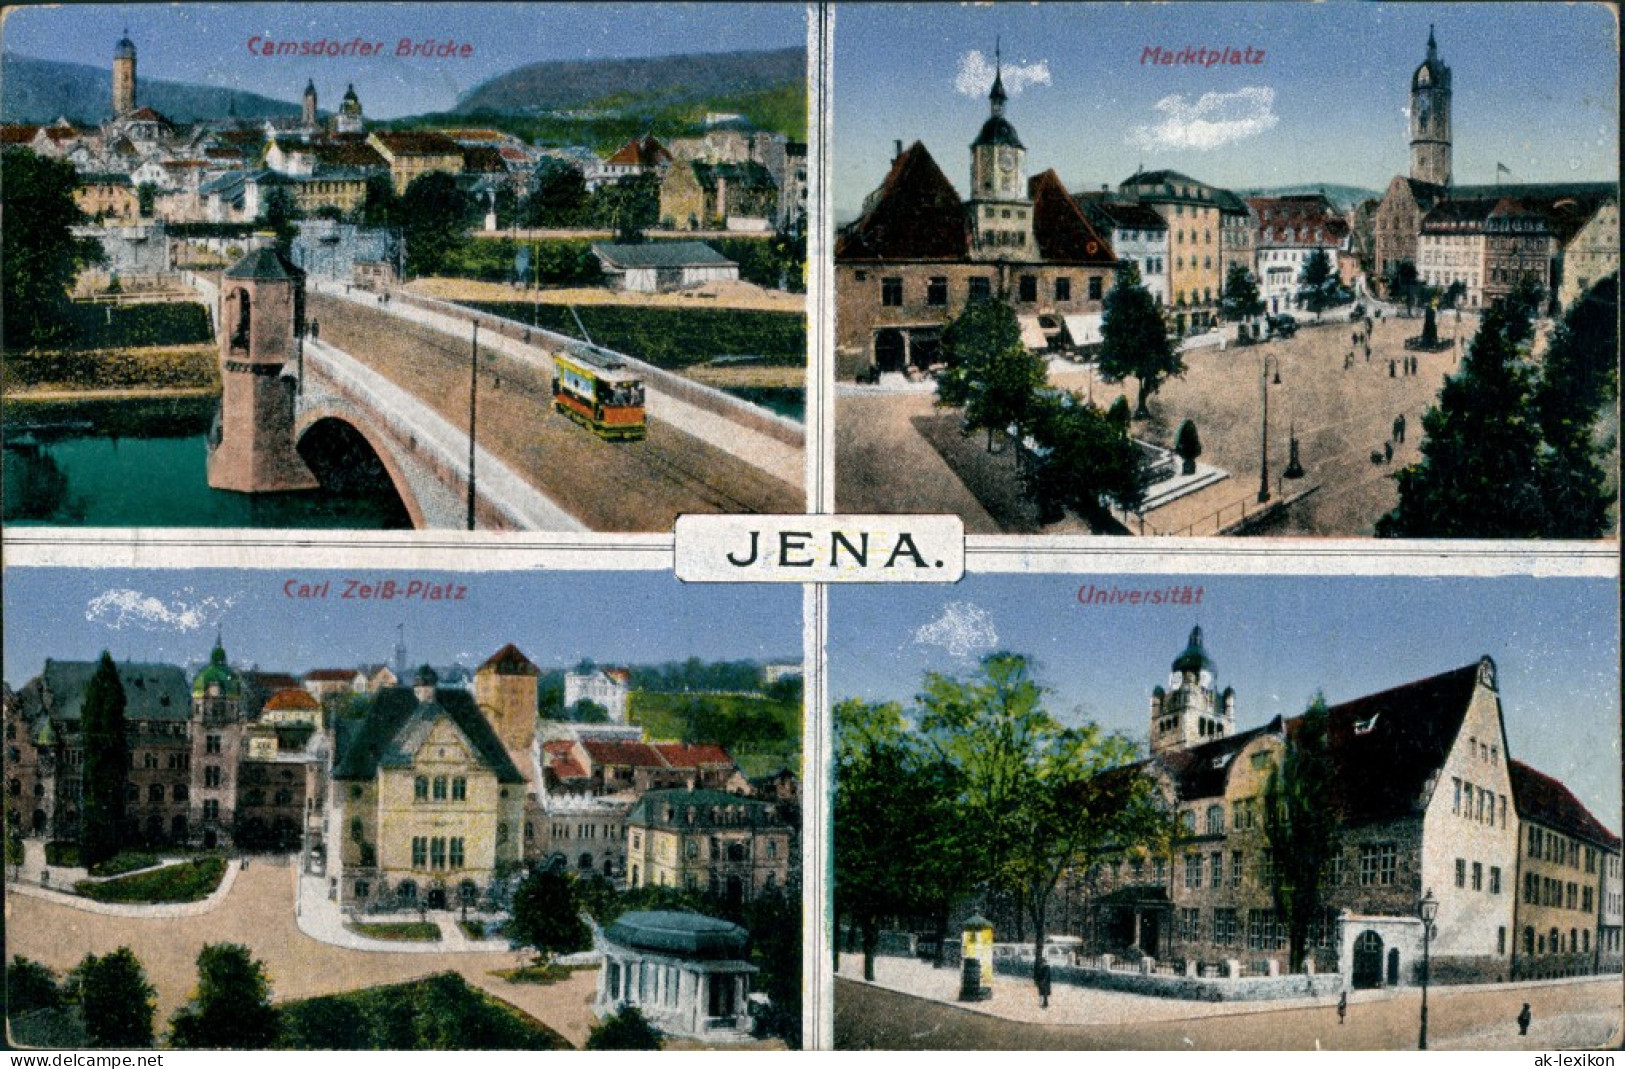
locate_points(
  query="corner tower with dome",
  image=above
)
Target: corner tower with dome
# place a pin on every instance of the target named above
(217, 742)
(1191, 710)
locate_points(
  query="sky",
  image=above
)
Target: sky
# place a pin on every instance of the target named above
(1276, 640)
(1535, 88)
(556, 618)
(209, 43)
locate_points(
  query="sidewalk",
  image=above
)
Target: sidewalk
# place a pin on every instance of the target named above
(321, 918)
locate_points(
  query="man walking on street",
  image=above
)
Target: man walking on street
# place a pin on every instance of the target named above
(1524, 1017)
(1041, 977)
(1342, 1007)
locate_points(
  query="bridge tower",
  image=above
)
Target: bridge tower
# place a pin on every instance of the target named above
(262, 314)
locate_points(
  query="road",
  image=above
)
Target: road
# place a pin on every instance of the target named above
(609, 486)
(1566, 1015)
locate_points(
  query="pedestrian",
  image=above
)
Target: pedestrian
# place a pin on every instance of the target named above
(1342, 1007)
(315, 329)
(1393, 370)
(1524, 1017)
(1387, 452)
(1402, 426)
(1354, 337)
(1393, 431)
(1041, 978)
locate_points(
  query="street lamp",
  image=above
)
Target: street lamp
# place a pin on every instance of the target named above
(1264, 431)
(1428, 909)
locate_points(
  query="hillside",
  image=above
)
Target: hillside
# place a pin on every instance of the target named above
(603, 88)
(1344, 197)
(41, 91)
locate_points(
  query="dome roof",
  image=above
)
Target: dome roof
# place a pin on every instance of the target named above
(218, 671)
(125, 49)
(998, 131)
(1194, 658)
(426, 677)
(687, 934)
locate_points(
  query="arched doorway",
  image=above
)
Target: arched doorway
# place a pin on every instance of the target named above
(436, 898)
(1393, 967)
(1367, 960)
(211, 839)
(890, 350)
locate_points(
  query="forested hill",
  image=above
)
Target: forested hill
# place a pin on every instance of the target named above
(610, 85)
(42, 90)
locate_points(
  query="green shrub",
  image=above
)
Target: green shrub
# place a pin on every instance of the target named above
(398, 932)
(440, 1012)
(190, 881)
(122, 862)
(60, 855)
(671, 338)
(101, 326)
(118, 369)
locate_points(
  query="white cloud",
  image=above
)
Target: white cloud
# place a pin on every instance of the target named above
(120, 608)
(976, 71)
(1215, 119)
(962, 629)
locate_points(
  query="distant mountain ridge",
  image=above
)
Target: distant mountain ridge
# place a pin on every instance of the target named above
(43, 90)
(562, 85)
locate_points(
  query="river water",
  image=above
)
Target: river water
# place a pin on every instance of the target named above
(140, 462)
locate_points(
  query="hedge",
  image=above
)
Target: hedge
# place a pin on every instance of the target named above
(110, 326)
(671, 338)
(180, 367)
(190, 881)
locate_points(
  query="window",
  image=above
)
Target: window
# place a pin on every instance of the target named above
(1478, 876)
(691, 849)
(1028, 288)
(211, 809)
(1235, 868)
(440, 788)
(980, 289)
(1334, 870)
(149, 760)
(155, 792)
(420, 851)
(420, 789)
(1378, 864)
(1095, 287)
(357, 830)
(936, 291)
(1224, 927)
(1495, 879)
(1571, 898)
(1501, 940)
(211, 775)
(1190, 925)
(1455, 806)
(437, 853)
(459, 789)
(891, 292)
(1461, 873)
(362, 888)
(1063, 289)
(1193, 870)
(211, 744)
(772, 849)
(1216, 859)
(1215, 820)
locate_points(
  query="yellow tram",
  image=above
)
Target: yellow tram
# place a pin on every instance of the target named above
(600, 393)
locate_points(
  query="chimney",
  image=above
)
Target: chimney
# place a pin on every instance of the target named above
(897, 148)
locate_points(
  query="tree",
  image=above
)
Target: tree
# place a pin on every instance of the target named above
(146, 198)
(1400, 282)
(1240, 300)
(1083, 457)
(231, 1007)
(1578, 380)
(587, 711)
(1478, 475)
(626, 1030)
(990, 372)
(1188, 445)
(547, 915)
(1301, 822)
(115, 999)
(1119, 412)
(560, 197)
(39, 256)
(30, 986)
(1042, 799)
(1317, 282)
(379, 207)
(434, 212)
(627, 206)
(1134, 339)
(280, 214)
(106, 765)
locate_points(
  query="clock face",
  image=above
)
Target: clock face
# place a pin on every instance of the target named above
(1007, 163)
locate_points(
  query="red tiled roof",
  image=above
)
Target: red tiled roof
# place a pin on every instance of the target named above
(483, 159)
(17, 133)
(417, 143)
(567, 768)
(617, 752)
(1543, 800)
(693, 755)
(513, 155)
(291, 699)
(1060, 228)
(330, 675)
(644, 151)
(916, 214)
(509, 661)
(148, 115)
(348, 154)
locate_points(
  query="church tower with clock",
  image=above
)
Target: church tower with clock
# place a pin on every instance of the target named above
(1430, 119)
(1001, 213)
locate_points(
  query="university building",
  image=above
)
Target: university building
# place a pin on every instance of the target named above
(1429, 801)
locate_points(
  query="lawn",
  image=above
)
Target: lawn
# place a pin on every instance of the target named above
(190, 881)
(398, 932)
(440, 1012)
(125, 861)
(671, 338)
